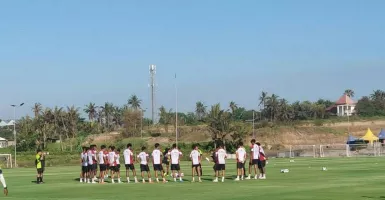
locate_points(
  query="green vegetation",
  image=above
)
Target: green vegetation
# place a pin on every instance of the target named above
(229, 124)
(345, 178)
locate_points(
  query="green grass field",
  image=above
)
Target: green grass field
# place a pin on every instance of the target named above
(346, 178)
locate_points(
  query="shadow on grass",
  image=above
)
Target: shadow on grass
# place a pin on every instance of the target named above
(368, 197)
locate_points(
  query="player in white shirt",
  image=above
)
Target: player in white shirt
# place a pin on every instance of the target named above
(84, 163)
(117, 161)
(254, 157)
(102, 157)
(195, 157)
(221, 163)
(261, 162)
(241, 158)
(112, 162)
(157, 162)
(129, 163)
(175, 155)
(143, 158)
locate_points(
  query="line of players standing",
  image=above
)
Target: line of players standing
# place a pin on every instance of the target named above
(109, 160)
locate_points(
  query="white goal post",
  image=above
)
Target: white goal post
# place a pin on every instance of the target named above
(303, 151)
(6, 160)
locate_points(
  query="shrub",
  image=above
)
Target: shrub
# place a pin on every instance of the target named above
(155, 134)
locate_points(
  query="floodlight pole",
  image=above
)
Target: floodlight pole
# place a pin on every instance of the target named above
(14, 127)
(253, 124)
(176, 113)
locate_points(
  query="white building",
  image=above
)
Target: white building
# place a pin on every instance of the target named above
(3, 142)
(344, 106)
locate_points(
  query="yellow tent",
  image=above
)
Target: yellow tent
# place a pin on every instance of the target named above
(369, 136)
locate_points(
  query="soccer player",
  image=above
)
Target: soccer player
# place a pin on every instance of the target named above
(102, 163)
(129, 163)
(241, 158)
(175, 155)
(39, 166)
(2, 180)
(214, 157)
(254, 157)
(117, 160)
(112, 161)
(84, 163)
(143, 159)
(108, 171)
(261, 162)
(221, 163)
(156, 161)
(91, 163)
(166, 162)
(195, 157)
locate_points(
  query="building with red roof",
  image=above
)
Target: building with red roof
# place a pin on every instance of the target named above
(344, 106)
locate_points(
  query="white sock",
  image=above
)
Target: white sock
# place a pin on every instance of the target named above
(174, 179)
(237, 177)
(193, 179)
(157, 179)
(2, 180)
(128, 179)
(223, 178)
(180, 178)
(149, 179)
(136, 180)
(199, 178)
(242, 177)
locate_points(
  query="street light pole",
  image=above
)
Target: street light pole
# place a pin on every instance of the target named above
(14, 127)
(176, 113)
(253, 124)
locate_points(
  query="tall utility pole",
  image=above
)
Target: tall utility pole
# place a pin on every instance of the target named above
(176, 113)
(14, 126)
(152, 85)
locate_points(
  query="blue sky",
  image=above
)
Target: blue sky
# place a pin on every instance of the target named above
(75, 52)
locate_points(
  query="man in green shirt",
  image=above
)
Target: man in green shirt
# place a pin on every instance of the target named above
(39, 166)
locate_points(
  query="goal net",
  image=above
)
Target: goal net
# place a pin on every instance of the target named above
(6, 160)
(334, 150)
(303, 151)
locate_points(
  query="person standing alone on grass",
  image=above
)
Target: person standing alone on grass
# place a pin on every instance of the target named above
(102, 163)
(156, 161)
(241, 158)
(143, 159)
(221, 163)
(254, 157)
(39, 166)
(84, 163)
(261, 162)
(195, 157)
(129, 163)
(175, 155)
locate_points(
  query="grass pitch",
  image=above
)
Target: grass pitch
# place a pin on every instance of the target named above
(345, 178)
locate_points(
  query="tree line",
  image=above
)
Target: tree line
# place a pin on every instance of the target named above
(230, 121)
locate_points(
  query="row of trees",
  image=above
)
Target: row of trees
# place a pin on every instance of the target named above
(224, 122)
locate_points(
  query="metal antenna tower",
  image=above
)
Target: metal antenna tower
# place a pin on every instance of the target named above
(152, 85)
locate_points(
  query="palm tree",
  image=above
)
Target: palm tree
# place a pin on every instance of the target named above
(349, 93)
(107, 111)
(165, 117)
(378, 95)
(233, 106)
(262, 101)
(91, 111)
(273, 105)
(134, 102)
(37, 108)
(200, 110)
